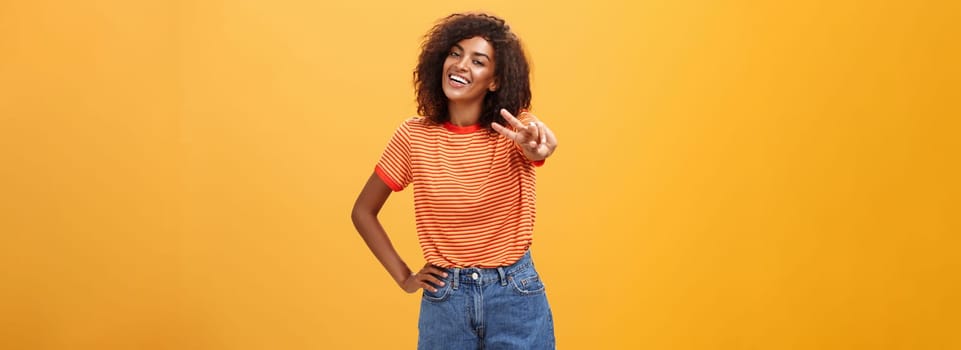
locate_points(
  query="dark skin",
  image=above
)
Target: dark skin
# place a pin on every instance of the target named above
(536, 140)
(364, 215)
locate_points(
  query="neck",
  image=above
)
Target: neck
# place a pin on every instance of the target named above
(464, 114)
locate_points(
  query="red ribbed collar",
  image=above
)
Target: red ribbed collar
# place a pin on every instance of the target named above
(461, 129)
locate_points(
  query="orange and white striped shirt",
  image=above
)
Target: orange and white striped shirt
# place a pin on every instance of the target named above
(473, 191)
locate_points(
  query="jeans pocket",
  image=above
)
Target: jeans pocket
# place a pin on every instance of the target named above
(442, 293)
(527, 282)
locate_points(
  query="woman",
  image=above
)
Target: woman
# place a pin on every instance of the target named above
(472, 166)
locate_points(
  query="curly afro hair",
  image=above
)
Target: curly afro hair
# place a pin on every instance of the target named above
(511, 70)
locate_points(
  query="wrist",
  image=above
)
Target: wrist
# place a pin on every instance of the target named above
(402, 278)
(535, 159)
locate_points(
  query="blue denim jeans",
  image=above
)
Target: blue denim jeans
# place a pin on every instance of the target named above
(499, 308)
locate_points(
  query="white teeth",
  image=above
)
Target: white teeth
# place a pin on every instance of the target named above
(458, 79)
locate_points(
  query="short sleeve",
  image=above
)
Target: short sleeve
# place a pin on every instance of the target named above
(394, 165)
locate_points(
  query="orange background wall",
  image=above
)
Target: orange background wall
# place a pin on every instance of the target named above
(731, 175)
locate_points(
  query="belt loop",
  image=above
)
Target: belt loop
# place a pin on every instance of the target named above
(456, 279)
(500, 271)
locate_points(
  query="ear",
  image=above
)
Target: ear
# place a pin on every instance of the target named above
(493, 86)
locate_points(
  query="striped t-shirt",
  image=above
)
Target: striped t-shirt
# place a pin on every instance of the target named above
(473, 191)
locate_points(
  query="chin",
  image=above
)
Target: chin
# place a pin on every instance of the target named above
(457, 96)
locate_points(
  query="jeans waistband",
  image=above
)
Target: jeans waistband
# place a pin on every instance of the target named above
(477, 275)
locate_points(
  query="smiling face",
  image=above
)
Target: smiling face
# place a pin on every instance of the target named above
(469, 71)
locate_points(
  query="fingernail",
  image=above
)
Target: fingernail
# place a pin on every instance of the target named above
(442, 283)
(445, 274)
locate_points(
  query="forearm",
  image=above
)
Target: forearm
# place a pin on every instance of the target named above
(379, 243)
(364, 216)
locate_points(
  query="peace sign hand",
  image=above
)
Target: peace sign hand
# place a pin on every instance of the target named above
(536, 140)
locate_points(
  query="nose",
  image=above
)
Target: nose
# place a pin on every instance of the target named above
(461, 64)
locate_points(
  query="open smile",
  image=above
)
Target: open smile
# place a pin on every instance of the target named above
(458, 81)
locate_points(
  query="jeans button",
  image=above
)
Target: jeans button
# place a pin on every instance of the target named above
(474, 276)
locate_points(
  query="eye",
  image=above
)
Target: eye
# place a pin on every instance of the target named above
(454, 54)
(479, 63)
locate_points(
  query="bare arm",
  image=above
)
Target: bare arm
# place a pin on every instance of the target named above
(364, 216)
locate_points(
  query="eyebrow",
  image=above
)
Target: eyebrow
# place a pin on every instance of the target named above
(474, 53)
